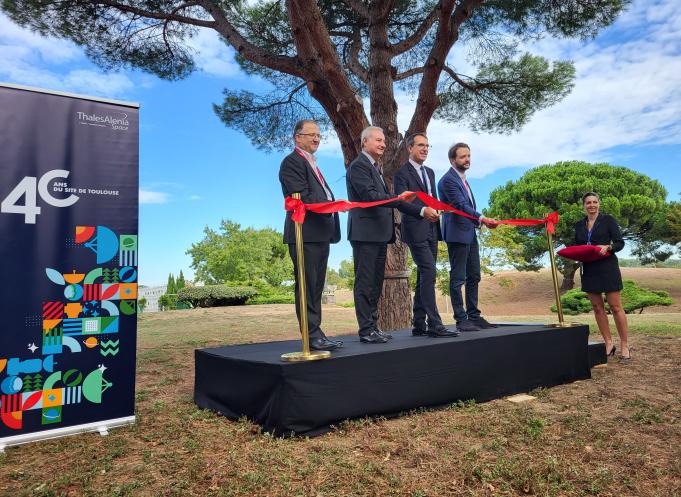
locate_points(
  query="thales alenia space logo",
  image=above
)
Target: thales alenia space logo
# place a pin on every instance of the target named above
(113, 120)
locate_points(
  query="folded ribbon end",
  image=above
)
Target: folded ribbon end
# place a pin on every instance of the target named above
(297, 207)
(551, 221)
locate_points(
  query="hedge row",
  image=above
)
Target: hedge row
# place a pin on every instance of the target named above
(215, 295)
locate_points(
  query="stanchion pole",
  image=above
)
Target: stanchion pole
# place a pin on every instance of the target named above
(306, 354)
(554, 272)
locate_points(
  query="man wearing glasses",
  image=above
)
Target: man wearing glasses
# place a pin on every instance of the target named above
(420, 230)
(299, 173)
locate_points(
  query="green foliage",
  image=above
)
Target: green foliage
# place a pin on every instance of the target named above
(168, 302)
(171, 286)
(635, 200)
(346, 271)
(268, 294)
(236, 254)
(633, 298)
(216, 295)
(499, 249)
(333, 278)
(509, 93)
(141, 304)
(180, 282)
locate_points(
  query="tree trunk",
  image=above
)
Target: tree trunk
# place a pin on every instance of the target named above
(394, 308)
(569, 278)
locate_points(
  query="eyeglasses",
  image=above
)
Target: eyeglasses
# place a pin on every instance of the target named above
(313, 135)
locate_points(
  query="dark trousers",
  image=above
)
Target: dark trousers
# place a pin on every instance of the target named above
(316, 256)
(424, 255)
(369, 262)
(464, 263)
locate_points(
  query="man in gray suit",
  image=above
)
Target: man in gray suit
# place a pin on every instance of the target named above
(371, 230)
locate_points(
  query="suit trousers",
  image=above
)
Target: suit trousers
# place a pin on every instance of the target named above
(464, 263)
(316, 258)
(424, 255)
(369, 262)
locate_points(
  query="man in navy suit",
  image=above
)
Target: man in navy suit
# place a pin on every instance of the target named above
(462, 242)
(370, 231)
(421, 231)
(299, 174)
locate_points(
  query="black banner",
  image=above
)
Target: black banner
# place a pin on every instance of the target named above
(68, 250)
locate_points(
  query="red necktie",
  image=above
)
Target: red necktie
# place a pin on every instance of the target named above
(319, 174)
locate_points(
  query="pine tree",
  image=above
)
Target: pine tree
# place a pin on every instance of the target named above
(180, 283)
(172, 286)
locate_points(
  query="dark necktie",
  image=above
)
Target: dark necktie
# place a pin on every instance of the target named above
(424, 179)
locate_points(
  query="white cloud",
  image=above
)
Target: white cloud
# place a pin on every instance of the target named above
(30, 59)
(152, 197)
(195, 197)
(213, 55)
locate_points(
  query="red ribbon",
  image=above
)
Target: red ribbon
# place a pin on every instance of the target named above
(299, 209)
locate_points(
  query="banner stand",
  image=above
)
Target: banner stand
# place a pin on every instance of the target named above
(69, 206)
(102, 428)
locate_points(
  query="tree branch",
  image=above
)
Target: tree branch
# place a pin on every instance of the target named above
(409, 73)
(417, 36)
(156, 15)
(353, 63)
(251, 52)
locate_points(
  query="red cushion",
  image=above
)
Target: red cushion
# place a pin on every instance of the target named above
(583, 253)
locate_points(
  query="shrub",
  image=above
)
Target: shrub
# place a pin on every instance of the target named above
(268, 294)
(216, 295)
(167, 302)
(633, 298)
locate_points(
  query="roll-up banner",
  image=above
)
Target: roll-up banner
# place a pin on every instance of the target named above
(68, 252)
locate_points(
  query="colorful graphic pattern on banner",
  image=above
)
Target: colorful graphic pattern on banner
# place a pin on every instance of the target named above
(69, 253)
(84, 321)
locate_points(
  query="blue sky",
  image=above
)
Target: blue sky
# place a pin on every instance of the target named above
(625, 109)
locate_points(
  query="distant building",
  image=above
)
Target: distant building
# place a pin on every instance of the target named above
(152, 294)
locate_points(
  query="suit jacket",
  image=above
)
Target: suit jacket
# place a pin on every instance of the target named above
(604, 231)
(415, 228)
(297, 176)
(375, 224)
(452, 191)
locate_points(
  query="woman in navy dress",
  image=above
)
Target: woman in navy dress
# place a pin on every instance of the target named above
(603, 276)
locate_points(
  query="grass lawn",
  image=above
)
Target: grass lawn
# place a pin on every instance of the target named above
(618, 434)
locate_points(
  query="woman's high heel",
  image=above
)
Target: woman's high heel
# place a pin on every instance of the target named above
(612, 351)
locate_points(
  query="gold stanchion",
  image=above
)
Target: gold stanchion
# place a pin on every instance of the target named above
(554, 272)
(306, 354)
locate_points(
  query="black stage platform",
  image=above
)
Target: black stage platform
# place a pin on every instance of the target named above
(407, 372)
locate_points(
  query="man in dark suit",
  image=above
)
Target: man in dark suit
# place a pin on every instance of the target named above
(299, 174)
(462, 242)
(369, 231)
(421, 232)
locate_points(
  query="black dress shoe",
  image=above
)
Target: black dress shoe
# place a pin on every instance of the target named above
(384, 334)
(442, 331)
(483, 324)
(467, 325)
(373, 337)
(333, 340)
(323, 344)
(419, 332)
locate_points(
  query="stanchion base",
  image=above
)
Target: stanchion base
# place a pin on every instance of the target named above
(314, 355)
